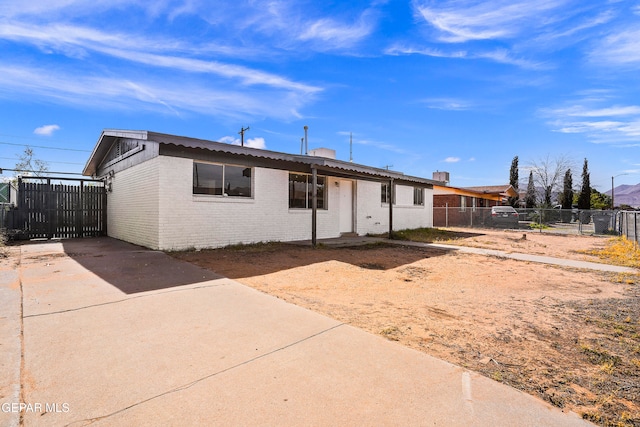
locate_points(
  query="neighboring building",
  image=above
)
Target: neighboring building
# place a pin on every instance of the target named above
(468, 197)
(452, 205)
(169, 192)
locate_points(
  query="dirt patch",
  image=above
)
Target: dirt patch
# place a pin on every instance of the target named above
(568, 336)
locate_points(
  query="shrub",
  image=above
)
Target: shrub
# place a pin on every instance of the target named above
(620, 251)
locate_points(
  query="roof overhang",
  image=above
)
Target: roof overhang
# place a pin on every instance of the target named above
(326, 165)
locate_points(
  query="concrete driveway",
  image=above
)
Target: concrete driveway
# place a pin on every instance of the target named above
(114, 334)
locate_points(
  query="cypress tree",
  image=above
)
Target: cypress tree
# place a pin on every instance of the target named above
(513, 181)
(584, 199)
(567, 191)
(530, 198)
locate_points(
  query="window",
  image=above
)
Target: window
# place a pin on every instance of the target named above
(474, 202)
(418, 196)
(463, 203)
(300, 191)
(385, 192)
(219, 180)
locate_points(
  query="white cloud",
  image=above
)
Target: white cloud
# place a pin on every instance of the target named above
(613, 124)
(399, 49)
(46, 130)
(332, 34)
(502, 56)
(357, 139)
(616, 110)
(77, 41)
(461, 21)
(151, 94)
(619, 48)
(258, 142)
(452, 160)
(449, 104)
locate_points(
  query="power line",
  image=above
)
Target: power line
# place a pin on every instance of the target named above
(41, 172)
(33, 138)
(46, 161)
(45, 148)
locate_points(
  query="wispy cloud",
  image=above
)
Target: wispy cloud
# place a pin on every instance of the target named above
(620, 48)
(502, 56)
(461, 21)
(360, 140)
(513, 32)
(135, 49)
(401, 49)
(336, 35)
(46, 130)
(450, 104)
(148, 93)
(616, 110)
(612, 124)
(207, 86)
(452, 160)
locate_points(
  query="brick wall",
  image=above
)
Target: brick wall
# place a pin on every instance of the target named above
(132, 205)
(373, 215)
(153, 205)
(202, 221)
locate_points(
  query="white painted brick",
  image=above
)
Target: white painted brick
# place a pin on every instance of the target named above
(152, 205)
(132, 206)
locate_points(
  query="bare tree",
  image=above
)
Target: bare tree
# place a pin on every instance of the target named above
(548, 173)
(29, 164)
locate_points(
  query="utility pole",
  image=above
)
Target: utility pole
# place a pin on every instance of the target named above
(306, 141)
(612, 189)
(351, 146)
(242, 131)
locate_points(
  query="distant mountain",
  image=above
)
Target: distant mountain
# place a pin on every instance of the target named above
(626, 195)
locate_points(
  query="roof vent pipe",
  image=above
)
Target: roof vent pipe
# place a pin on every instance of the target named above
(306, 141)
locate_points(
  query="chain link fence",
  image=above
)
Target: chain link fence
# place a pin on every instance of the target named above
(563, 221)
(628, 224)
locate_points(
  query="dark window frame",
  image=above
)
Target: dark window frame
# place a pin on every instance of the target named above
(418, 196)
(385, 193)
(297, 201)
(224, 188)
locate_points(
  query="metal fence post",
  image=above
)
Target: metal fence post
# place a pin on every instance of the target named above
(446, 215)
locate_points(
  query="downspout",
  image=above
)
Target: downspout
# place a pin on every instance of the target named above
(314, 205)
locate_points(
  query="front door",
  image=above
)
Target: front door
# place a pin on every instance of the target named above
(346, 206)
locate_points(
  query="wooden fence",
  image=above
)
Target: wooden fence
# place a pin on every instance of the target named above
(56, 210)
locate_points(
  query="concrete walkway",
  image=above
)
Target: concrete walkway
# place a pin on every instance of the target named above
(364, 240)
(525, 257)
(113, 334)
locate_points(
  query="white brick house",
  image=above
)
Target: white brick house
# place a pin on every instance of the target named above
(169, 192)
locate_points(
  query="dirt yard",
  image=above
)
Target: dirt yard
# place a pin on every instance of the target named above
(571, 337)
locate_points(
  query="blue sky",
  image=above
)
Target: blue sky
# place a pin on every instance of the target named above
(460, 86)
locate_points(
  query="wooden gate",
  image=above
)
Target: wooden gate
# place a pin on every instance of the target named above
(47, 208)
